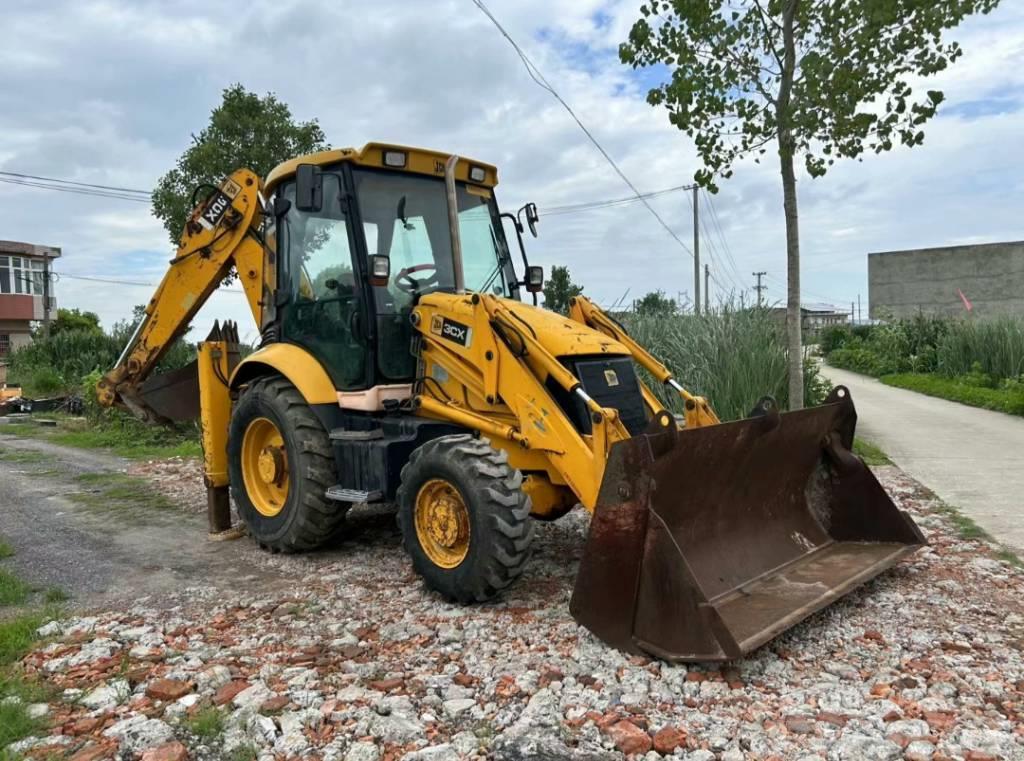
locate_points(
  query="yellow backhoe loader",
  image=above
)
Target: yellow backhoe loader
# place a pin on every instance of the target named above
(398, 363)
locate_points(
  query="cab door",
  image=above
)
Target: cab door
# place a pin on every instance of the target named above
(324, 309)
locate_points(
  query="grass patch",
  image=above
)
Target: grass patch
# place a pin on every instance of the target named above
(965, 527)
(1008, 400)
(207, 723)
(871, 454)
(117, 491)
(129, 438)
(16, 724)
(22, 456)
(6, 550)
(13, 591)
(55, 595)
(243, 752)
(18, 634)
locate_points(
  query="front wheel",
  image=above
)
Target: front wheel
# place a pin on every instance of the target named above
(281, 464)
(464, 517)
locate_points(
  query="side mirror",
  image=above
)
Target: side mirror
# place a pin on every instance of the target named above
(380, 269)
(532, 217)
(534, 279)
(309, 188)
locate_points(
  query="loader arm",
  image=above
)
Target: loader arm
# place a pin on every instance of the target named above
(222, 232)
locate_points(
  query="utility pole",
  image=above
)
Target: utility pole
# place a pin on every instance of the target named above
(859, 315)
(696, 251)
(759, 287)
(707, 290)
(853, 314)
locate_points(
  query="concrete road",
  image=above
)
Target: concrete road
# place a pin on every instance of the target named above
(972, 458)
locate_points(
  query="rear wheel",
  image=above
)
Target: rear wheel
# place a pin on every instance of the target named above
(281, 464)
(464, 517)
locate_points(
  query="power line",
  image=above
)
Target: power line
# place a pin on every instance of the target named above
(721, 234)
(538, 77)
(73, 182)
(588, 205)
(112, 281)
(78, 191)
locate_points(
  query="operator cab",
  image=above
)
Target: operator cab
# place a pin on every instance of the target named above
(361, 235)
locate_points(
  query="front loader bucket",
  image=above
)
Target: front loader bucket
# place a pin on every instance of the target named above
(706, 543)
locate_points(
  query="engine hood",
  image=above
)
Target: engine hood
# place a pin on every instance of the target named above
(562, 336)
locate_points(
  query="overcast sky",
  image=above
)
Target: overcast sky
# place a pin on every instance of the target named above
(109, 93)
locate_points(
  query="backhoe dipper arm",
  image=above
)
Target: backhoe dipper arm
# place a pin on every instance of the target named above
(697, 411)
(221, 232)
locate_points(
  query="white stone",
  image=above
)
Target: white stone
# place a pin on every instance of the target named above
(457, 706)
(362, 752)
(137, 733)
(443, 752)
(37, 710)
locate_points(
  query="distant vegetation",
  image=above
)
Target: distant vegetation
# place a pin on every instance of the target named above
(733, 357)
(72, 359)
(976, 362)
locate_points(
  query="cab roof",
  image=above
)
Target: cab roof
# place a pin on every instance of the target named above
(418, 161)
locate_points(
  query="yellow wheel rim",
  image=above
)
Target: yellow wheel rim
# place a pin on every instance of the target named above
(265, 467)
(442, 523)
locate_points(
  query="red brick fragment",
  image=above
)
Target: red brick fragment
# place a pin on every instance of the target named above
(168, 689)
(629, 738)
(172, 751)
(275, 703)
(227, 693)
(667, 739)
(386, 685)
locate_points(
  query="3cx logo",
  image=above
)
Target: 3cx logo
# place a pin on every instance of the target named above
(456, 331)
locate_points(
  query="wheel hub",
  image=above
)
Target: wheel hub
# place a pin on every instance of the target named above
(265, 467)
(442, 523)
(270, 464)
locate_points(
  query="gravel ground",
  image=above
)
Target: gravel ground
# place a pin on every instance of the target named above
(358, 662)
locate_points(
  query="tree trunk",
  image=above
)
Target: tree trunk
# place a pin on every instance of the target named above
(794, 340)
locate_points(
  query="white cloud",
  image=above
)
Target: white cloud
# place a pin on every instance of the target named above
(111, 92)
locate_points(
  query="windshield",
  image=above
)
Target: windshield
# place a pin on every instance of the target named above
(405, 217)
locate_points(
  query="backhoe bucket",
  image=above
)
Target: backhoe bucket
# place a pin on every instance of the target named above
(706, 543)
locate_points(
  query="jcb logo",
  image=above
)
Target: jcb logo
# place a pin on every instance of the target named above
(215, 210)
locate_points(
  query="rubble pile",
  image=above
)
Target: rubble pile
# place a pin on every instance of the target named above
(359, 662)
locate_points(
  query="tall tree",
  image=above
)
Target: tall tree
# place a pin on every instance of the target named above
(821, 79)
(245, 130)
(559, 290)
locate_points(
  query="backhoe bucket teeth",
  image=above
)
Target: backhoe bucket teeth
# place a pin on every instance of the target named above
(706, 543)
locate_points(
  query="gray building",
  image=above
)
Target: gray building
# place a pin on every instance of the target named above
(988, 278)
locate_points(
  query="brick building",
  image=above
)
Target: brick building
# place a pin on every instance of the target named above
(24, 287)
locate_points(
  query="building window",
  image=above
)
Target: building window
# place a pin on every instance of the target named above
(5, 344)
(19, 274)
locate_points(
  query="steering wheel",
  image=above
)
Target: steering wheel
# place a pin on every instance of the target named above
(407, 284)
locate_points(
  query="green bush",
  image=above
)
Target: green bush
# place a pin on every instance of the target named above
(895, 347)
(733, 358)
(834, 337)
(57, 364)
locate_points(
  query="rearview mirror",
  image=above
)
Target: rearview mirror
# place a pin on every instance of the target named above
(532, 217)
(309, 188)
(534, 279)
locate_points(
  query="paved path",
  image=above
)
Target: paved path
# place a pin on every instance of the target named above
(972, 458)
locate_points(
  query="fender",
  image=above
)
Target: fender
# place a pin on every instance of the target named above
(294, 363)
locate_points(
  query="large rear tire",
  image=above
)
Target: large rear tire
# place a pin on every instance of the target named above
(281, 464)
(464, 517)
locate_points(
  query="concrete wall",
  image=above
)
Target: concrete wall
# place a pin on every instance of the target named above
(904, 283)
